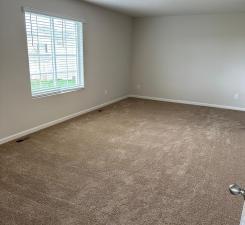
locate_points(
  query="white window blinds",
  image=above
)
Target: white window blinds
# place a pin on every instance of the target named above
(55, 51)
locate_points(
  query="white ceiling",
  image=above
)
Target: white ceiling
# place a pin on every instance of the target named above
(171, 7)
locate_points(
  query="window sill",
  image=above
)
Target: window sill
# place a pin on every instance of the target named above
(57, 92)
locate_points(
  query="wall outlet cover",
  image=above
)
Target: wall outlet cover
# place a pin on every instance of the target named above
(236, 96)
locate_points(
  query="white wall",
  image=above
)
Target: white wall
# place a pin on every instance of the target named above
(107, 63)
(198, 58)
(195, 58)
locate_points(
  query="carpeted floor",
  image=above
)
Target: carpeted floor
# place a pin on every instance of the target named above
(136, 162)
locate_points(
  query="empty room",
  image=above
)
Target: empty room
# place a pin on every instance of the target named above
(122, 112)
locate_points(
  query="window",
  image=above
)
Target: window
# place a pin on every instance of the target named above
(55, 51)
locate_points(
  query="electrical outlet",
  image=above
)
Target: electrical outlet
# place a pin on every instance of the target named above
(106, 92)
(138, 86)
(236, 96)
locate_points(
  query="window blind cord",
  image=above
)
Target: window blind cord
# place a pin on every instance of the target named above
(32, 41)
(63, 33)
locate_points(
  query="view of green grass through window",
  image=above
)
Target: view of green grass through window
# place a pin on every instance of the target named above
(48, 84)
(55, 53)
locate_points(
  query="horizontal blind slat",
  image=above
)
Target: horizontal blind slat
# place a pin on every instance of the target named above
(55, 53)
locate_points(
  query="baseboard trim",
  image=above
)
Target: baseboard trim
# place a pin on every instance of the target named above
(188, 102)
(60, 120)
(63, 119)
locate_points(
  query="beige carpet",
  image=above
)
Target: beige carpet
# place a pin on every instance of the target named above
(136, 162)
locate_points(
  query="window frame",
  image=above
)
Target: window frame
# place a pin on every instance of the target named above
(57, 91)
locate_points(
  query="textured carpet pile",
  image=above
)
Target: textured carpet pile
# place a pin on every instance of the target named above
(136, 162)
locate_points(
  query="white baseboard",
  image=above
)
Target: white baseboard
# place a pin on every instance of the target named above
(60, 120)
(188, 102)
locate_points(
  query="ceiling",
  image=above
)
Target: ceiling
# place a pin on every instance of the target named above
(139, 8)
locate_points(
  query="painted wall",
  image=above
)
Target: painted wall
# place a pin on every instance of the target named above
(107, 63)
(198, 58)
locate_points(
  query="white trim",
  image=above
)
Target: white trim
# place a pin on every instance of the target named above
(57, 92)
(56, 15)
(188, 102)
(60, 120)
(242, 222)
